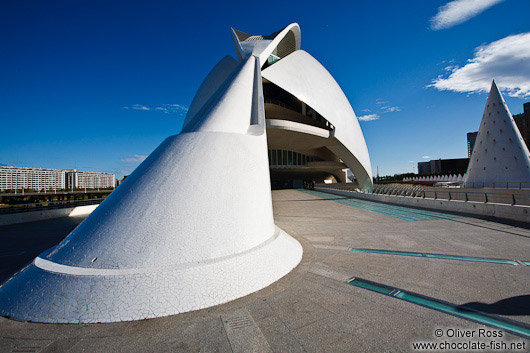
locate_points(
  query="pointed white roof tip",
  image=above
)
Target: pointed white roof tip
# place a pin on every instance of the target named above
(281, 43)
(495, 93)
(494, 86)
(243, 36)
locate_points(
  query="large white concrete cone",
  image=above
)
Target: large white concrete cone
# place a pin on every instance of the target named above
(500, 157)
(190, 228)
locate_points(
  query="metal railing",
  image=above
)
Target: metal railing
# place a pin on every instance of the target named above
(499, 185)
(25, 193)
(281, 104)
(507, 198)
(30, 207)
(485, 196)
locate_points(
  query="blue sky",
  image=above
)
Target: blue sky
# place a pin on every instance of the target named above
(97, 85)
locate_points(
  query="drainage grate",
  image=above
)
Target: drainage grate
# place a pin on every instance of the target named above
(243, 333)
(25, 349)
(442, 256)
(515, 327)
(238, 322)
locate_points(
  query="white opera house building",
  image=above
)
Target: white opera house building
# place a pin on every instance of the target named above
(173, 238)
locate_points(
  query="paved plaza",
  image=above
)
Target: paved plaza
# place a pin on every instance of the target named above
(324, 304)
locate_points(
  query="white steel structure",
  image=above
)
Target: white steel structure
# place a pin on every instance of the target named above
(500, 157)
(172, 238)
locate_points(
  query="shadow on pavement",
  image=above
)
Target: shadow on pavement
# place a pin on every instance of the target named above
(519, 305)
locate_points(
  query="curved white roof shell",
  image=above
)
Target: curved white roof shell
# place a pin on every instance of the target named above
(219, 74)
(304, 77)
(500, 156)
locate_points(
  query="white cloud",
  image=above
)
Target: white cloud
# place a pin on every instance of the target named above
(369, 117)
(412, 161)
(506, 60)
(426, 157)
(172, 108)
(165, 108)
(137, 107)
(388, 109)
(120, 172)
(135, 158)
(459, 11)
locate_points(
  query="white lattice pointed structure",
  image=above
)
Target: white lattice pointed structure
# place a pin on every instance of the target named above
(500, 157)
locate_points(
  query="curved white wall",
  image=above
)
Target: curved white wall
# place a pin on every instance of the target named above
(191, 227)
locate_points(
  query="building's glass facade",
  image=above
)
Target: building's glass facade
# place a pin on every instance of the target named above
(286, 158)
